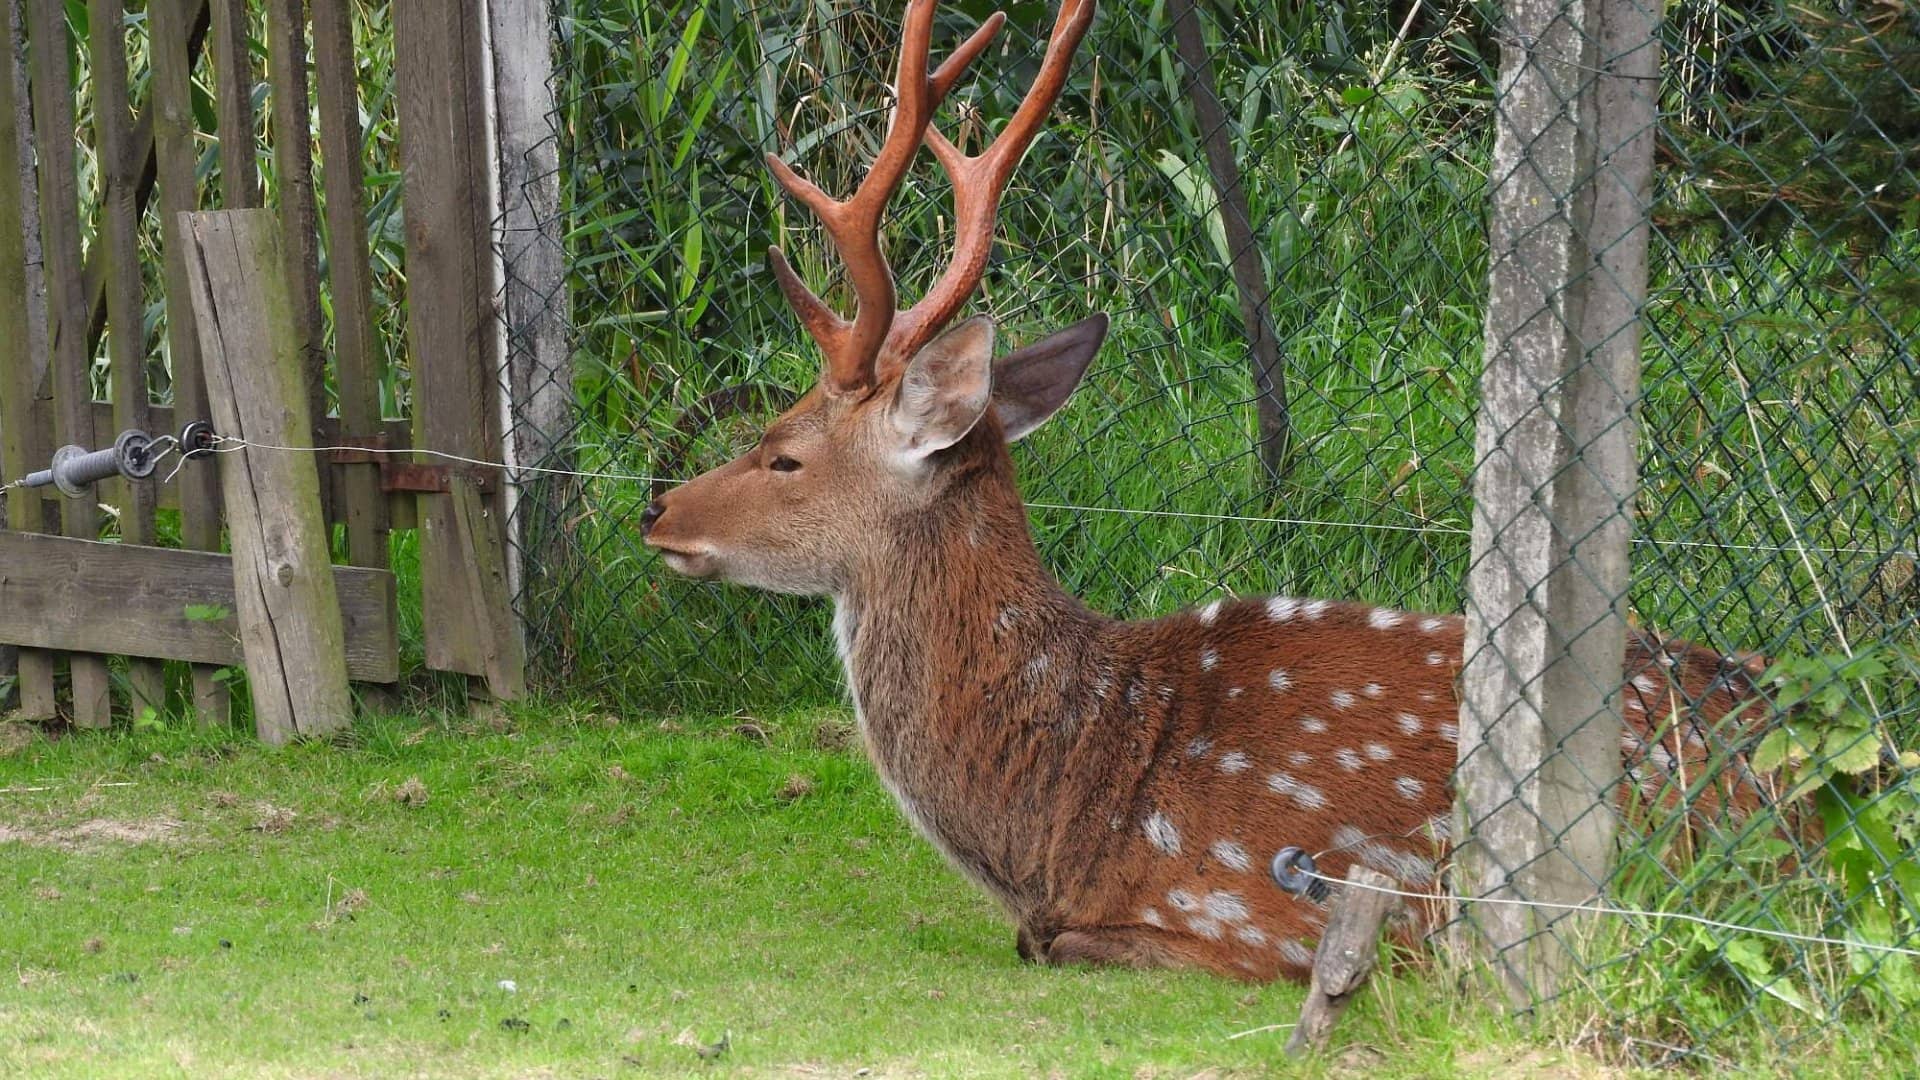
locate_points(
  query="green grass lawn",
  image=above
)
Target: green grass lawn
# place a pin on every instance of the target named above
(574, 894)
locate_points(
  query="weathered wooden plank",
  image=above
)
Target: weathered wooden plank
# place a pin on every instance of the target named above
(1345, 956)
(60, 242)
(94, 278)
(233, 105)
(443, 143)
(506, 661)
(118, 245)
(20, 427)
(165, 603)
(290, 626)
(197, 489)
(1554, 479)
(293, 182)
(357, 363)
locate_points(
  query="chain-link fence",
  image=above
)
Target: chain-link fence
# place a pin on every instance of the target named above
(1320, 439)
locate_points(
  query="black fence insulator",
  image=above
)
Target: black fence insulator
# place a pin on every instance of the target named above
(197, 440)
(1294, 871)
(75, 468)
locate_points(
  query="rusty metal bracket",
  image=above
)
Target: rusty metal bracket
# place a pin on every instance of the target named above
(406, 476)
(431, 479)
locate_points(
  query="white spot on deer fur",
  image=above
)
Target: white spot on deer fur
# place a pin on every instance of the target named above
(1295, 953)
(1403, 866)
(1408, 787)
(1378, 751)
(1299, 757)
(1316, 608)
(1645, 684)
(1348, 759)
(1450, 731)
(1205, 927)
(1231, 855)
(1341, 699)
(1282, 608)
(1199, 747)
(1634, 704)
(1236, 691)
(1384, 618)
(1373, 690)
(1347, 838)
(1429, 696)
(1151, 917)
(1432, 626)
(1161, 833)
(1313, 725)
(1210, 613)
(1233, 762)
(1182, 900)
(1134, 693)
(1208, 658)
(1008, 616)
(1038, 666)
(1225, 906)
(1251, 935)
(1435, 659)
(1304, 795)
(1409, 723)
(1279, 680)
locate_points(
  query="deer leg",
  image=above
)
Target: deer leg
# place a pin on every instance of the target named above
(1028, 945)
(1130, 946)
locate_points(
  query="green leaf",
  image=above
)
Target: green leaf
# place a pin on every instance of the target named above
(207, 613)
(1358, 95)
(1850, 750)
(1773, 751)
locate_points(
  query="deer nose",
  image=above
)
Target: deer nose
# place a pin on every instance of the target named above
(651, 515)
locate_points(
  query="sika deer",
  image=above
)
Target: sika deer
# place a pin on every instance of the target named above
(1120, 787)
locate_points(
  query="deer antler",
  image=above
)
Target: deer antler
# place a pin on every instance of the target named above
(978, 183)
(878, 341)
(851, 347)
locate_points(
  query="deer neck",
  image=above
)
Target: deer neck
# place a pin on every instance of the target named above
(955, 596)
(963, 654)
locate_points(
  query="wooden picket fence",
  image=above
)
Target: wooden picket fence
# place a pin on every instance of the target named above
(242, 290)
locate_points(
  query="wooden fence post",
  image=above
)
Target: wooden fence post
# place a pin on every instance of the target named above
(1555, 480)
(67, 309)
(22, 448)
(173, 136)
(444, 143)
(118, 246)
(256, 364)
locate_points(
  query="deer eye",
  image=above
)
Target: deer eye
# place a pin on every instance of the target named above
(783, 463)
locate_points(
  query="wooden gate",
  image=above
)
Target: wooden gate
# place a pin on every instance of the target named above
(71, 312)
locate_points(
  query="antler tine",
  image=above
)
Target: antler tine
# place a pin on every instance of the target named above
(852, 347)
(980, 180)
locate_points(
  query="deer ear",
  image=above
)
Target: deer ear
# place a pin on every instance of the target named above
(945, 390)
(1031, 383)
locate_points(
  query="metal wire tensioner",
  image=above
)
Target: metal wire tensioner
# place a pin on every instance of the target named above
(134, 455)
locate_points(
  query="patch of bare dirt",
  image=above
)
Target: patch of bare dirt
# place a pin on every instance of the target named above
(94, 834)
(1529, 1063)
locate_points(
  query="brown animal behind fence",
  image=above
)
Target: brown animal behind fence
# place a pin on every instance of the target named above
(1122, 788)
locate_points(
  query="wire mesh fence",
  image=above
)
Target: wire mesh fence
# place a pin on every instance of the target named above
(1320, 439)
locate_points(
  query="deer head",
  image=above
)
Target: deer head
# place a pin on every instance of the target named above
(903, 402)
